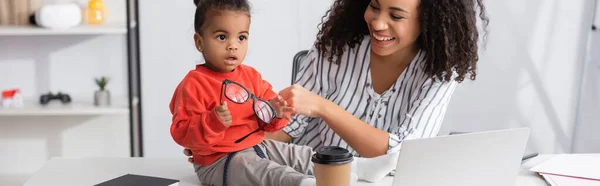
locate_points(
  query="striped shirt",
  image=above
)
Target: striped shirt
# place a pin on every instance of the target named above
(414, 103)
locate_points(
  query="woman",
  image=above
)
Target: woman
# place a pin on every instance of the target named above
(381, 70)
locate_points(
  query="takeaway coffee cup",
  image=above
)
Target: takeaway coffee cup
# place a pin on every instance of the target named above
(332, 166)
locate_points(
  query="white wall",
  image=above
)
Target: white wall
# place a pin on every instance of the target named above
(67, 63)
(279, 29)
(310, 13)
(530, 74)
(167, 53)
(587, 140)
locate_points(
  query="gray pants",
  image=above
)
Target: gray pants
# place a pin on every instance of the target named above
(285, 164)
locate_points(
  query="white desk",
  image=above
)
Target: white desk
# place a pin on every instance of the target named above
(90, 171)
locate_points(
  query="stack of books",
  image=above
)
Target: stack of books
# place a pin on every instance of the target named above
(571, 170)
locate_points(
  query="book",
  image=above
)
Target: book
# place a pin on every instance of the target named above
(139, 180)
(556, 180)
(570, 170)
(584, 166)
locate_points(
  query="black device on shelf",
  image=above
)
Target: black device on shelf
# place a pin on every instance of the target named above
(46, 98)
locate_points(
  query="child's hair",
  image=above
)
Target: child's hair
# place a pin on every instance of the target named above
(203, 6)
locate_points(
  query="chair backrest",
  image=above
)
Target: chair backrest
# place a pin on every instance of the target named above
(298, 58)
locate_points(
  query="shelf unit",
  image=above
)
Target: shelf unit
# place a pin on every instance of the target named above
(58, 127)
(79, 30)
(132, 107)
(59, 109)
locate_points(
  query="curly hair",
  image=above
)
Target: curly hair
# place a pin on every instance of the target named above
(202, 7)
(449, 34)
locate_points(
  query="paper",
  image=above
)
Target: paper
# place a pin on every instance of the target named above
(573, 165)
(554, 180)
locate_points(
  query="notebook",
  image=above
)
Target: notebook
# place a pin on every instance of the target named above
(582, 166)
(139, 180)
(555, 180)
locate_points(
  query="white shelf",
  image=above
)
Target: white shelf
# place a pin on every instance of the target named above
(8, 30)
(56, 108)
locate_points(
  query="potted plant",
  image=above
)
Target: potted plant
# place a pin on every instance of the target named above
(102, 95)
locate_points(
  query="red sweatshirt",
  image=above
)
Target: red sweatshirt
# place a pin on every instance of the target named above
(196, 125)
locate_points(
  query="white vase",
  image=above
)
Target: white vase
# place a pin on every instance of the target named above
(102, 98)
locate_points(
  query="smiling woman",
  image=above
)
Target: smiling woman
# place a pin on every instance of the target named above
(381, 70)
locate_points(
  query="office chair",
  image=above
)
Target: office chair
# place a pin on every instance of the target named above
(298, 58)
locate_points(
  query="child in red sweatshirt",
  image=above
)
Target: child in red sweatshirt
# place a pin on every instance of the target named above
(221, 102)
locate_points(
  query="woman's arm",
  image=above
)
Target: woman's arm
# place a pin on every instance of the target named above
(279, 136)
(367, 140)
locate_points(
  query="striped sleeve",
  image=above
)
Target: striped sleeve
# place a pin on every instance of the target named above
(308, 77)
(424, 119)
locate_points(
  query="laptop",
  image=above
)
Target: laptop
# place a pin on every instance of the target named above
(490, 158)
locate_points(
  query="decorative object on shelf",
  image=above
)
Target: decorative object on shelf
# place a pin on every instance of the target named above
(46, 98)
(35, 5)
(17, 12)
(11, 98)
(14, 12)
(57, 16)
(4, 12)
(96, 12)
(102, 95)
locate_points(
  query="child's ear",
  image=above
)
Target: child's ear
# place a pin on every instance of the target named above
(198, 41)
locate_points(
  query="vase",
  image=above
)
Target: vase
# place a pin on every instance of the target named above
(102, 98)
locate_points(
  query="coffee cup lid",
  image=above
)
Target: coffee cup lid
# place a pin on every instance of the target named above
(332, 155)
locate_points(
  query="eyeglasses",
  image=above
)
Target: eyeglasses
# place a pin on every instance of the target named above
(237, 93)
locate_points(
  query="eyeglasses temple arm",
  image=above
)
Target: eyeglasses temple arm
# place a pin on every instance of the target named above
(247, 135)
(221, 94)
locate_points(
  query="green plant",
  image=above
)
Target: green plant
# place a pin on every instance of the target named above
(101, 82)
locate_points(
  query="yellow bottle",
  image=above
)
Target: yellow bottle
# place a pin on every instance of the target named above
(96, 13)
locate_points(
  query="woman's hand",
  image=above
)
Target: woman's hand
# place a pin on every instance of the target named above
(188, 153)
(303, 101)
(281, 107)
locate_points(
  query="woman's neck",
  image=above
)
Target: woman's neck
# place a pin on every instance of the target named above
(400, 58)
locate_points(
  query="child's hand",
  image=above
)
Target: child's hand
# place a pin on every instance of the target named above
(282, 108)
(223, 113)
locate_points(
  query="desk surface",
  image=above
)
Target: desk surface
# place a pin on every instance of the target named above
(90, 171)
